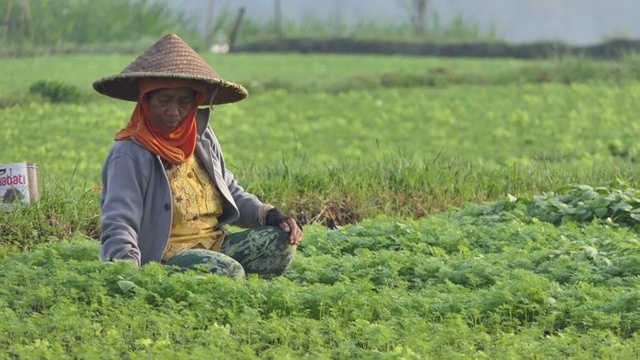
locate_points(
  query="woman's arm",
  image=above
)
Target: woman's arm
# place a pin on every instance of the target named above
(121, 209)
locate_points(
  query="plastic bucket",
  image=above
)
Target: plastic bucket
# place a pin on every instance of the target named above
(18, 183)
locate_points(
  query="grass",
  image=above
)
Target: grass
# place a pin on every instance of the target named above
(438, 246)
(308, 71)
(340, 156)
(395, 186)
(63, 210)
(496, 126)
(301, 73)
(332, 196)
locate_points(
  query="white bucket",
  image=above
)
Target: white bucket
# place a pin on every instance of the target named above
(18, 182)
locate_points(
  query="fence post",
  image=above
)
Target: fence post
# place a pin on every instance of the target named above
(7, 21)
(420, 7)
(236, 29)
(277, 18)
(26, 10)
(209, 24)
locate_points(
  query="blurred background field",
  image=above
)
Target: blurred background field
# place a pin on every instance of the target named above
(334, 132)
(332, 109)
(332, 138)
(252, 70)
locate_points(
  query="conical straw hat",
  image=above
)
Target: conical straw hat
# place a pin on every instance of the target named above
(170, 57)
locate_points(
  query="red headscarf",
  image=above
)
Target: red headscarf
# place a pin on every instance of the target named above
(177, 146)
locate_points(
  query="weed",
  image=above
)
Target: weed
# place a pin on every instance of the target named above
(56, 91)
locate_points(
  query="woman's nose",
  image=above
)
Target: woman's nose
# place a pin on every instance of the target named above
(173, 109)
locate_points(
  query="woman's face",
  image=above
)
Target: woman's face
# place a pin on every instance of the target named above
(169, 107)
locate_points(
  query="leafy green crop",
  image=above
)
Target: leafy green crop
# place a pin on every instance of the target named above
(459, 284)
(538, 274)
(614, 203)
(585, 203)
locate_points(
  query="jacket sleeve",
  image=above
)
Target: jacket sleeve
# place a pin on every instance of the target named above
(121, 209)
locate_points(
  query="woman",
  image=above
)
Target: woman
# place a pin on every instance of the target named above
(167, 194)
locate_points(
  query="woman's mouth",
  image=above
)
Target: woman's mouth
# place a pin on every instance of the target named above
(170, 125)
(172, 122)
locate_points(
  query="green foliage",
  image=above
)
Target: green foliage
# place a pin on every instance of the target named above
(585, 203)
(566, 70)
(63, 23)
(312, 27)
(520, 128)
(17, 99)
(64, 209)
(77, 25)
(458, 284)
(331, 196)
(387, 147)
(523, 277)
(56, 91)
(334, 73)
(615, 203)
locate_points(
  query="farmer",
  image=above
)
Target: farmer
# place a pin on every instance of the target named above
(167, 194)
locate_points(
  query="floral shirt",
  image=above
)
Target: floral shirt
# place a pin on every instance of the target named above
(197, 204)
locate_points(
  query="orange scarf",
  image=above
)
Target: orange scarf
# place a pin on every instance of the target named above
(175, 147)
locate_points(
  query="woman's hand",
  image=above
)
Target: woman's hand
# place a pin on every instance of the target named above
(285, 223)
(290, 225)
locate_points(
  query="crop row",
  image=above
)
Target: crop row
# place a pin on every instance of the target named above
(458, 283)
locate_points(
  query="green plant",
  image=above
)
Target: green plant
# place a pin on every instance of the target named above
(63, 210)
(583, 203)
(75, 22)
(614, 203)
(56, 91)
(449, 285)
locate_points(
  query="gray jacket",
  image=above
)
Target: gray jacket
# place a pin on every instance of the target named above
(136, 206)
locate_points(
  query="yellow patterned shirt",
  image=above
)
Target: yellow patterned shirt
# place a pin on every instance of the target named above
(197, 204)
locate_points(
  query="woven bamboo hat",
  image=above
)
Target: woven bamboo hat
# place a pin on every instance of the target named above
(170, 57)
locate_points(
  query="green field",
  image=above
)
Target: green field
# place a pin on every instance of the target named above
(82, 70)
(485, 215)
